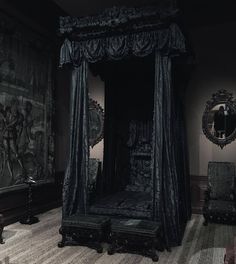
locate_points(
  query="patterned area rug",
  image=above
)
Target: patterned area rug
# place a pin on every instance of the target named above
(37, 244)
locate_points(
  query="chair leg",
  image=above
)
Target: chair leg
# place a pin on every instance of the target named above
(1, 229)
(205, 223)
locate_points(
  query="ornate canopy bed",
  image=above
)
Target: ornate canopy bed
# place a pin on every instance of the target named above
(145, 171)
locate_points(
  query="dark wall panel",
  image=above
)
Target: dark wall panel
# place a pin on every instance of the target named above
(198, 188)
(46, 196)
(13, 203)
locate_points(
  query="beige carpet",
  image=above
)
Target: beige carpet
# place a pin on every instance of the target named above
(37, 244)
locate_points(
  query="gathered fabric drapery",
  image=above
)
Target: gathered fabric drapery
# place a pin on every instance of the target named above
(76, 176)
(169, 40)
(169, 199)
(169, 170)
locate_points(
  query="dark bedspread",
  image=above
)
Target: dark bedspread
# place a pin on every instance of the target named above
(125, 204)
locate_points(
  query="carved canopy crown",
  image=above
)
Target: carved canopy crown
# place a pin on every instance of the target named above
(117, 18)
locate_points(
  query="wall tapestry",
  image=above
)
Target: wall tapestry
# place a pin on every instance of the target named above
(26, 105)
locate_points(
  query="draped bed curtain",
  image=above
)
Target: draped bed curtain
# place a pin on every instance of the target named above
(171, 199)
(76, 176)
(79, 50)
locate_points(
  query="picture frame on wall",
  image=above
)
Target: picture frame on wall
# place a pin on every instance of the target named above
(26, 105)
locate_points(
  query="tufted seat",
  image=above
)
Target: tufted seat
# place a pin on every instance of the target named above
(220, 205)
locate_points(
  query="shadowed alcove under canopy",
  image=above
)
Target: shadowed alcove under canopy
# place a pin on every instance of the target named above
(134, 50)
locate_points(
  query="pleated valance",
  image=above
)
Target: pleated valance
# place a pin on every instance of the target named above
(115, 35)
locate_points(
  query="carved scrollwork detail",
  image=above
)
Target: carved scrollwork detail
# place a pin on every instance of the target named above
(117, 17)
(96, 122)
(219, 118)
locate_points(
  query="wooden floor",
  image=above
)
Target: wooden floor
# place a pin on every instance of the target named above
(37, 244)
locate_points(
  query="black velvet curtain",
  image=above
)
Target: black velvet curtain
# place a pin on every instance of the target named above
(181, 154)
(170, 170)
(125, 103)
(76, 176)
(108, 182)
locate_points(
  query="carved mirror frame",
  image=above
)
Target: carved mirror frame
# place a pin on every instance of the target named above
(97, 123)
(220, 97)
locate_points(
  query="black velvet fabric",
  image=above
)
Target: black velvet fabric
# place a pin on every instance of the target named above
(128, 124)
(169, 150)
(125, 204)
(220, 206)
(168, 40)
(76, 177)
(116, 18)
(182, 164)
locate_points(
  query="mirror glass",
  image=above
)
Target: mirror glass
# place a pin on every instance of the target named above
(221, 121)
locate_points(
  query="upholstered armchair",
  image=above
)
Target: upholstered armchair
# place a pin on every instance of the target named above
(220, 205)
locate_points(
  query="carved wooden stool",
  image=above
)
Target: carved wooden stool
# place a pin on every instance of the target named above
(1, 228)
(85, 230)
(136, 236)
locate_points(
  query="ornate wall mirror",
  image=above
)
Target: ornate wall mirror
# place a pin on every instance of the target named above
(219, 118)
(96, 122)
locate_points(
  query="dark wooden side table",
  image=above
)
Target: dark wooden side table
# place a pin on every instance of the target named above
(85, 230)
(1, 228)
(136, 236)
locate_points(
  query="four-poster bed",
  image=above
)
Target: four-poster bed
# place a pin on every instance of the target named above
(115, 35)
